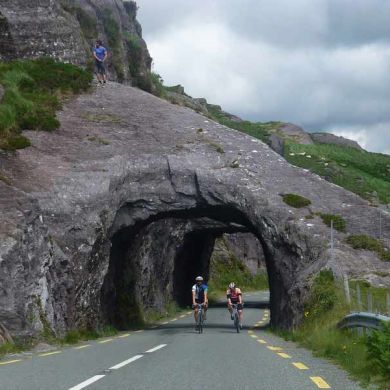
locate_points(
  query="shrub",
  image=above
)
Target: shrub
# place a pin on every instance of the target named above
(31, 96)
(296, 201)
(338, 221)
(378, 345)
(362, 241)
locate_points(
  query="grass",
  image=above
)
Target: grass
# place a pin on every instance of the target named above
(32, 96)
(296, 201)
(339, 222)
(362, 241)
(378, 294)
(224, 271)
(364, 173)
(319, 332)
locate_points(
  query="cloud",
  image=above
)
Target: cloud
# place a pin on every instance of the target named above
(316, 63)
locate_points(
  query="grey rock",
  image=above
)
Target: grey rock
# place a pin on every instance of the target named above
(84, 221)
(295, 133)
(35, 28)
(328, 138)
(276, 143)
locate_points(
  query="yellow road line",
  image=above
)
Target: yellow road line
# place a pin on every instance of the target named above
(284, 355)
(105, 341)
(250, 331)
(261, 341)
(10, 362)
(139, 331)
(253, 335)
(49, 353)
(166, 322)
(122, 336)
(275, 348)
(300, 366)
(174, 319)
(183, 315)
(321, 384)
(82, 346)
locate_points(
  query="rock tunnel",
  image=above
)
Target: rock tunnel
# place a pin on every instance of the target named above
(155, 261)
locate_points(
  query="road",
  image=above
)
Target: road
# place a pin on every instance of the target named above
(173, 356)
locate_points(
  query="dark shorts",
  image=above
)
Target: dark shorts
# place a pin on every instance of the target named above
(198, 301)
(100, 68)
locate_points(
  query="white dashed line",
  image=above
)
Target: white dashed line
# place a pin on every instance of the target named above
(156, 348)
(87, 382)
(126, 362)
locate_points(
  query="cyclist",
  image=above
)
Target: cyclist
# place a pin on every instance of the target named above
(199, 295)
(100, 55)
(234, 296)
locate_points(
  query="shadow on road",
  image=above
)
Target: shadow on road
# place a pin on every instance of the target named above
(258, 304)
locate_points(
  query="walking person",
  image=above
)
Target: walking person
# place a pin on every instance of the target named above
(100, 55)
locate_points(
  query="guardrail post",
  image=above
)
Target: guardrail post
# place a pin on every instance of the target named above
(369, 301)
(346, 290)
(359, 297)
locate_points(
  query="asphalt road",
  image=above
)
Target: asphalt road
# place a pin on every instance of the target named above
(173, 356)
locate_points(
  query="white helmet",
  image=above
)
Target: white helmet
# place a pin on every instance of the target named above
(199, 279)
(232, 285)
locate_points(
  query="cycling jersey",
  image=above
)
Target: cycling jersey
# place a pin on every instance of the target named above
(233, 294)
(199, 292)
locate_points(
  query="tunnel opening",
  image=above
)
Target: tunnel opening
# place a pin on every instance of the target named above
(154, 262)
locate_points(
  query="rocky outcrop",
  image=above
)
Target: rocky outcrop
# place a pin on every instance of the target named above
(331, 139)
(129, 192)
(67, 29)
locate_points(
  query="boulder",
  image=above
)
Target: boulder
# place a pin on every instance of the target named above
(328, 138)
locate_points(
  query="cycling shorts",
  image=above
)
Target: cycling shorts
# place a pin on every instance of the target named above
(239, 305)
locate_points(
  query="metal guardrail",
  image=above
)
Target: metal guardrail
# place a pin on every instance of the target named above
(363, 320)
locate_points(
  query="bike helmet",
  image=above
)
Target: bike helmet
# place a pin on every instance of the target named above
(199, 279)
(232, 285)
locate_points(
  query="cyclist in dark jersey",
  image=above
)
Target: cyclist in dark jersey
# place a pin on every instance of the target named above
(234, 296)
(199, 295)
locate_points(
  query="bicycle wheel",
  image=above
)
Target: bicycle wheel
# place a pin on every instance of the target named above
(236, 322)
(200, 322)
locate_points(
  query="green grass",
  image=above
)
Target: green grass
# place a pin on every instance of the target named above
(362, 241)
(378, 294)
(361, 172)
(296, 201)
(339, 222)
(255, 129)
(319, 332)
(31, 98)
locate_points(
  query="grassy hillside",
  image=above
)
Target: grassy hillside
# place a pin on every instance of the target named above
(364, 173)
(32, 94)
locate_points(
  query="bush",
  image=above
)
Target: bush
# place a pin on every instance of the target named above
(296, 201)
(378, 345)
(338, 221)
(362, 241)
(31, 96)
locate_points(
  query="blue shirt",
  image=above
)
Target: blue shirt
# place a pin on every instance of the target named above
(199, 291)
(100, 52)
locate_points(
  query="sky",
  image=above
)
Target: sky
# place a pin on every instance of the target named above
(321, 64)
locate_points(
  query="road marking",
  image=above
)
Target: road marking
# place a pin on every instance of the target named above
(126, 362)
(250, 331)
(105, 341)
(166, 322)
(253, 335)
(82, 346)
(189, 312)
(87, 382)
(261, 341)
(49, 353)
(321, 384)
(154, 327)
(10, 362)
(300, 366)
(183, 315)
(174, 319)
(275, 348)
(122, 336)
(156, 348)
(139, 331)
(284, 355)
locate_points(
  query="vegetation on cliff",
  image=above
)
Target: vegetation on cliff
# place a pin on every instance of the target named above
(32, 94)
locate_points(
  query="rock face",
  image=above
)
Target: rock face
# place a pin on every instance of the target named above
(328, 138)
(67, 29)
(129, 193)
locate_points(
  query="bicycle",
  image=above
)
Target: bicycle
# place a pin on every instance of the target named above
(199, 323)
(236, 318)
